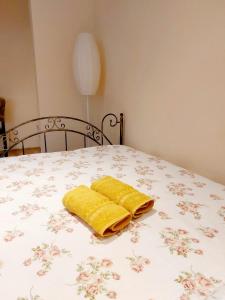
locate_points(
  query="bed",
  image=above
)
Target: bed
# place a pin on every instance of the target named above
(175, 252)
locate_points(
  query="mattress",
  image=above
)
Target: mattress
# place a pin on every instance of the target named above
(177, 251)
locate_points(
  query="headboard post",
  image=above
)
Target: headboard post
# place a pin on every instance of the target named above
(2, 123)
(113, 121)
(121, 129)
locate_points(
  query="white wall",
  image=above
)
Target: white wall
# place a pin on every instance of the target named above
(17, 70)
(164, 67)
(56, 24)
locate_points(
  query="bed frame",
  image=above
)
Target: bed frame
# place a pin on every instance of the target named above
(17, 135)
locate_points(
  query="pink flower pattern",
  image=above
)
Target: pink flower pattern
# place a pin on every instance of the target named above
(190, 207)
(92, 278)
(197, 284)
(81, 164)
(34, 172)
(163, 215)
(61, 221)
(215, 197)
(31, 296)
(137, 263)
(188, 218)
(13, 167)
(154, 159)
(134, 228)
(10, 235)
(45, 190)
(145, 182)
(143, 170)
(199, 184)
(221, 212)
(45, 255)
(179, 242)
(18, 185)
(179, 189)
(5, 199)
(94, 239)
(27, 210)
(74, 174)
(208, 231)
(184, 172)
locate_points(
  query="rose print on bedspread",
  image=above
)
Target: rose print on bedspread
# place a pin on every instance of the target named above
(45, 190)
(155, 159)
(80, 164)
(134, 229)
(13, 167)
(15, 186)
(199, 184)
(179, 189)
(182, 189)
(208, 231)
(62, 161)
(179, 242)
(61, 221)
(3, 177)
(163, 215)
(197, 285)
(145, 182)
(93, 275)
(119, 158)
(45, 254)
(27, 210)
(10, 235)
(119, 162)
(144, 170)
(215, 197)
(137, 263)
(5, 199)
(31, 296)
(190, 207)
(37, 172)
(184, 172)
(221, 212)
(73, 175)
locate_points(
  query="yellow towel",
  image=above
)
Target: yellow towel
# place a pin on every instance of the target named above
(103, 215)
(123, 194)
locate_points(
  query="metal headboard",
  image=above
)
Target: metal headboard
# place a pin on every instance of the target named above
(2, 119)
(41, 126)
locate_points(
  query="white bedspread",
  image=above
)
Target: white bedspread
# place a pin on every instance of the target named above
(177, 251)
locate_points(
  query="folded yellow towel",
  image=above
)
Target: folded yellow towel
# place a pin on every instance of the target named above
(123, 194)
(103, 215)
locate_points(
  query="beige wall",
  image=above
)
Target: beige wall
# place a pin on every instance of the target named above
(165, 69)
(163, 66)
(17, 70)
(56, 24)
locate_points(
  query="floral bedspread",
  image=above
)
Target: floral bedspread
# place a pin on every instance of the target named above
(175, 252)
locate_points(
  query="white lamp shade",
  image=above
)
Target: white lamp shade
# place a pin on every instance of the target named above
(86, 64)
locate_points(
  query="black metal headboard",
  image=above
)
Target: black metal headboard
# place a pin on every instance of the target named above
(41, 126)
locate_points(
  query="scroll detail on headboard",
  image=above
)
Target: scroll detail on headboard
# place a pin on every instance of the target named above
(44, 125)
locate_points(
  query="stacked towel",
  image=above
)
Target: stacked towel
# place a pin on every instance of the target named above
(103, 215)
(123, 194)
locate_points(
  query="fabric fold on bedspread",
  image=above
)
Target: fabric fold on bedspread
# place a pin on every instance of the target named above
(123, 194)
(103, 215)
